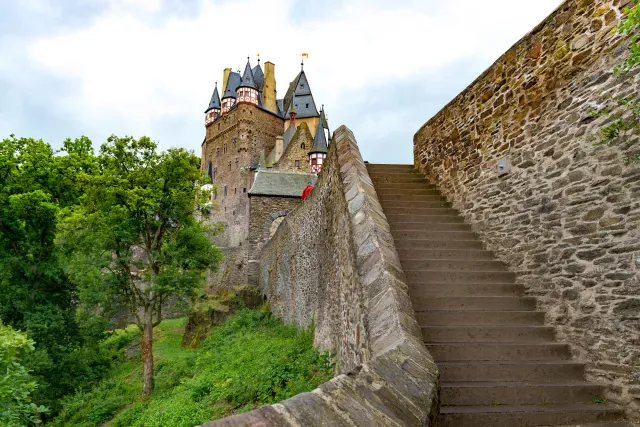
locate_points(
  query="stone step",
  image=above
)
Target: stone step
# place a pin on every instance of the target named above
(419, 184)
(390, 180)
(465, 289)
(526, 415)
(390, 198)
(508, 371)
(414, 204)
(443, 211)
(433, 235)
(468, 351)
(478, 317)
(389, 166)
(398, 220)
(487, 334)
(453, 265)
(431, 226)
(406, 243)
(442, 276)
(444, 254)
(475, 303)
(406, 192)
(509, 393)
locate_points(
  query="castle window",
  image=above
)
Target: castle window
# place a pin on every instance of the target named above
(229, 165)
(297, 163)
(244, 190)
(210, 170)
(302, 146)
(307, 105)
(225, 195)
(235, 191)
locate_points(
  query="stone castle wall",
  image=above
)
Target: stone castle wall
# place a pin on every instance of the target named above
(332, 261)
(567, 215)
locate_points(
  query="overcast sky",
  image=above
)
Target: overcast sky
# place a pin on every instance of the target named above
(148, 67)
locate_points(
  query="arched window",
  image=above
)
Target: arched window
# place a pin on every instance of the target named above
(210, 170)
(303, 146)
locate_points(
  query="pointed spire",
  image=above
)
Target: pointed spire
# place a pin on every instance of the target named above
(215, 100)
(320, 141)
(247, 77)
(323, 119)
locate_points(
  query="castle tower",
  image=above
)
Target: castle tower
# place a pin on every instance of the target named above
(213, 111)
(229, 97)
(318, 151)
(247, 92)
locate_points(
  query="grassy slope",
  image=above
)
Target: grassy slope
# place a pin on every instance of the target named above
(250, 360)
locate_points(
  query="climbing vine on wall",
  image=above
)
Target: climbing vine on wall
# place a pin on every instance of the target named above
(628, 124)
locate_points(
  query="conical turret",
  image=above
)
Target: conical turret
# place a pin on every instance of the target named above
(318, 151)
(213, 111)
(247, 90)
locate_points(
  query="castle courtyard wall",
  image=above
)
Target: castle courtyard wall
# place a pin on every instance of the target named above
(566, 216)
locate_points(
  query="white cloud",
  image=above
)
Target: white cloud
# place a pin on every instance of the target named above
(134, 73)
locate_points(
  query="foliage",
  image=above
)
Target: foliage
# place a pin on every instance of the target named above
(134, 237)
(16, 385)
(250, 360)
(628, 122)
(36, 295)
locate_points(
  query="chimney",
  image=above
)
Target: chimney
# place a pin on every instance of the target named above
(269, 87)
(225, 79)
(279, 148)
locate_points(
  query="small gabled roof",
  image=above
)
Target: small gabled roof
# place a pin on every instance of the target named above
(319, 141)
(280, 184)
(215, 100)
(247, 77)
(232, 85)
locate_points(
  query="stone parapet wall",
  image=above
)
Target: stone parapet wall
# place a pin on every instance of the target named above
(333, 262)
(566, 216)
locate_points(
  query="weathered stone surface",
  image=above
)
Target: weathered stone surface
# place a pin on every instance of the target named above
(567, 215)
(332, 261)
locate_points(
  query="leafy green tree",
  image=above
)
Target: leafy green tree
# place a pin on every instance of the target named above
(36, 295)
(135, 238)
(629, 122)
(16, 385)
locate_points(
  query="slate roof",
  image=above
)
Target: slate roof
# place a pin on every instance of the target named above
(258, 76)
(280, 184)
(247, 77)
(215, 100)
(319, 141)
(280, 104)
(323, 119)
(299, 94)
(288, 136)
(232, 85)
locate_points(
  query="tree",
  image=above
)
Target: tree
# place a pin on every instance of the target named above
(36, 295)
(16, 385)
(135, 237)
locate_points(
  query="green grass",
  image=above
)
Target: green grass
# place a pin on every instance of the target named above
(252, 359)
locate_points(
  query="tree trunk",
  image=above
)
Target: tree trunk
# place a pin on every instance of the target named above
(147, 351)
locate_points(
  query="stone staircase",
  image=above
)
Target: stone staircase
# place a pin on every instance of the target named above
(500, 366)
